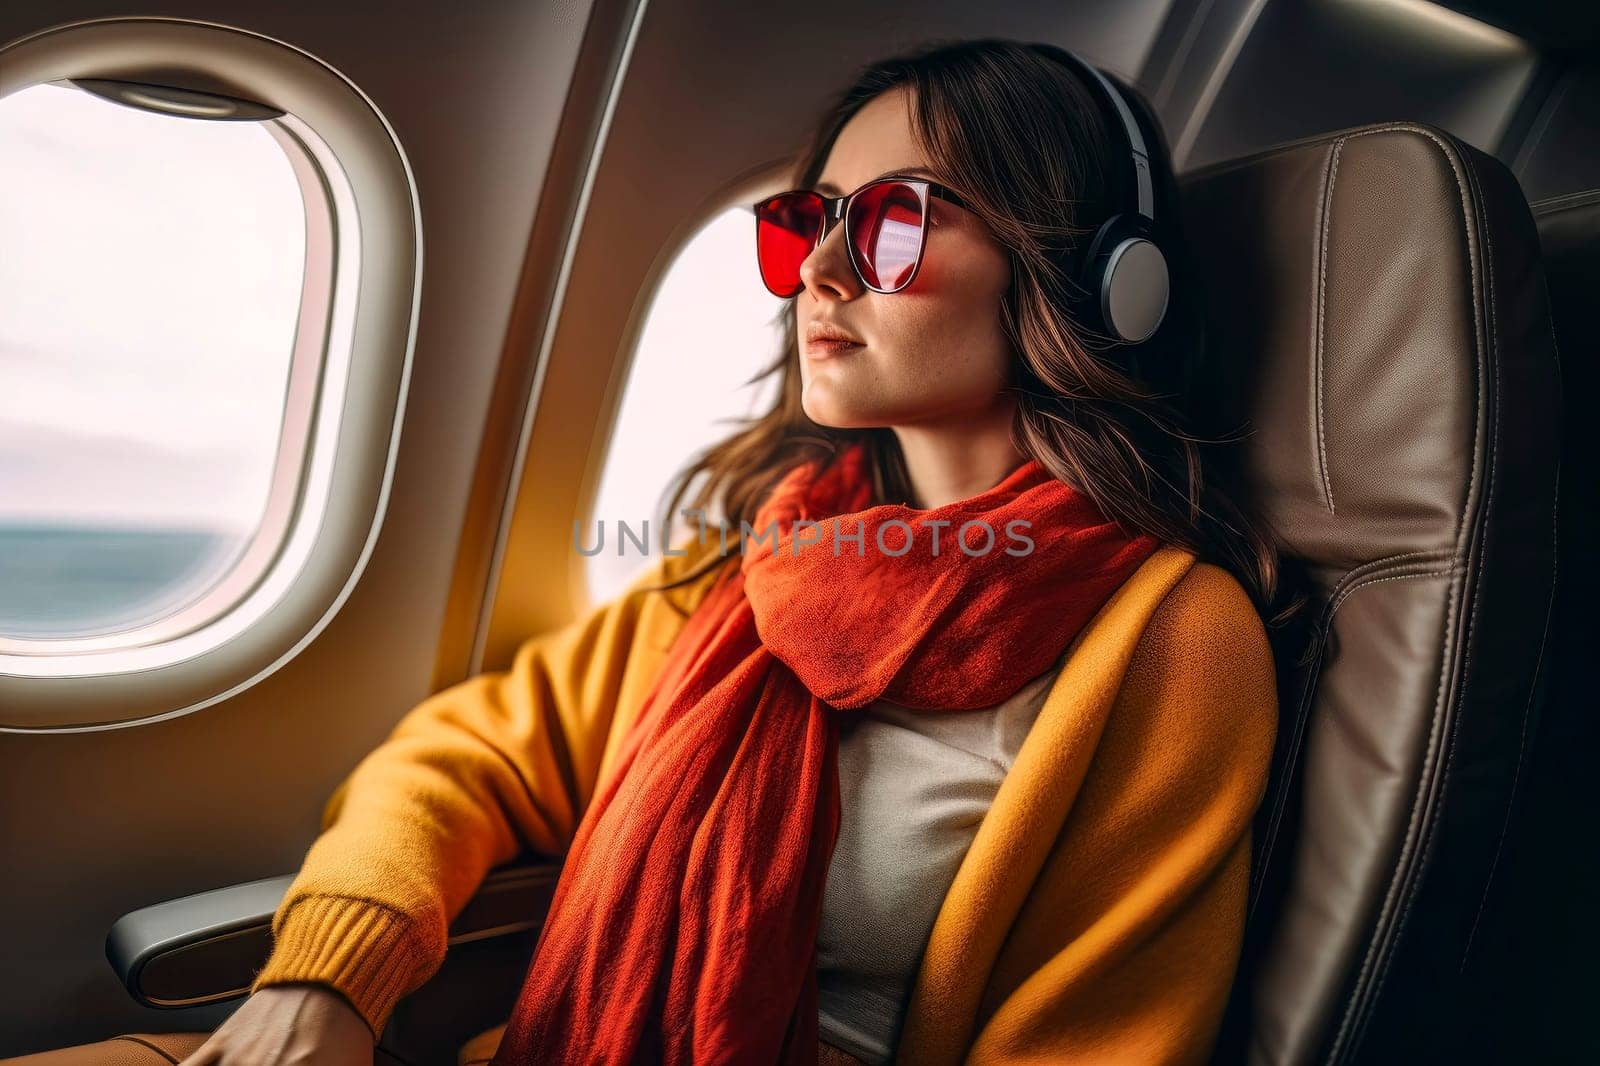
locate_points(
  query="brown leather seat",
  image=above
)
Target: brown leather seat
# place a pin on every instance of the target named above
(143, 1049)
(1378, 316)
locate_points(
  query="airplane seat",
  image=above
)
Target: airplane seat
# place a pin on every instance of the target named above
(1377, 319)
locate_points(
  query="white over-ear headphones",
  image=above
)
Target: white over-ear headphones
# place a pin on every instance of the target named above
(1123, 268)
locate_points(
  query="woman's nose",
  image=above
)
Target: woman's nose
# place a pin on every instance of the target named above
(827, 268)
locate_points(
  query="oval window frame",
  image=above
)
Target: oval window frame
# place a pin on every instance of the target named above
(335, 465)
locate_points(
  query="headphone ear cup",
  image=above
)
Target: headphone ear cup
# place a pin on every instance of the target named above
(1126, 278)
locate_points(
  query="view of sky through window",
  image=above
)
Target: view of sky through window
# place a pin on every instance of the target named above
(712, 325)
(149, 288)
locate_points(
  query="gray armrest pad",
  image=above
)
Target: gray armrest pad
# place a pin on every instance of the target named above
(209, 946)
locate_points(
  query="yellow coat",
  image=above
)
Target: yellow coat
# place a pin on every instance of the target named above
(1096, 918)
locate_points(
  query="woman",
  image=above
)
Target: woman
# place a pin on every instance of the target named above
(886, 804)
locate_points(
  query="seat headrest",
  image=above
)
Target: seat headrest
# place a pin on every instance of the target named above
(1348, 280)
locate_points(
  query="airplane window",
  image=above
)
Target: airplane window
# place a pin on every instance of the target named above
(712, 326)
(149, 293)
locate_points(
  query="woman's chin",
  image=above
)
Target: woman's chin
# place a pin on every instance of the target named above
(840, 416)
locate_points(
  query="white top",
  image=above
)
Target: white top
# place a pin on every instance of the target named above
(913, 786)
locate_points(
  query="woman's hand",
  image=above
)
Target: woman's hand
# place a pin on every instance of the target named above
(289, 1024)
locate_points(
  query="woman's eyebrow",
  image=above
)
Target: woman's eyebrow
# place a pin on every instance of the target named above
(832, 189)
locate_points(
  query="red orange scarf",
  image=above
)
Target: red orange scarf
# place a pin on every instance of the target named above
(683, 928)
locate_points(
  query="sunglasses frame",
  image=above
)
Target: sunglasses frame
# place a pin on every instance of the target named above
(835, 210)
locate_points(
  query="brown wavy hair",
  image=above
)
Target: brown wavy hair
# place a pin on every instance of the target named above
(1027, 143)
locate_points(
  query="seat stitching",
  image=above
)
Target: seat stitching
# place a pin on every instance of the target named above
(1434, 552)
(1329, 178)
(152, 1047)
(1345, 593)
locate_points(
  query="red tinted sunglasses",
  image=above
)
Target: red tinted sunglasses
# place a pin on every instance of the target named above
(886, 225)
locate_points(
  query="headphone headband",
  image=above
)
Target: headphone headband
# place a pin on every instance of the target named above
(1123, 270)
(1130, 129)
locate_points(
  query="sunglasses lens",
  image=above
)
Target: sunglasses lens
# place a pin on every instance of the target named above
(885, 226)
(786, 231)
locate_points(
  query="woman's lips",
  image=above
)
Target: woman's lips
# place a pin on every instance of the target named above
(824, 347)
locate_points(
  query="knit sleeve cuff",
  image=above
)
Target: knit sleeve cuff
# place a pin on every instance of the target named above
(366, 952)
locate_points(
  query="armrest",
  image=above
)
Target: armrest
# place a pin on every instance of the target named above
(209, 946)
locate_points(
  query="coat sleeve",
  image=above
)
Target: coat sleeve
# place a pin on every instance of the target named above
(1126, 947)
(499, 764)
